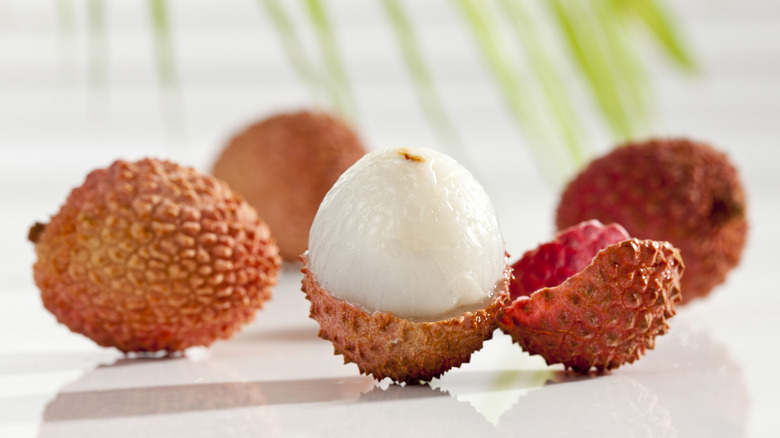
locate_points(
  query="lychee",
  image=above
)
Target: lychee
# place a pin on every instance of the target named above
(674, 190)
(152, 256)
(406, 266)
(284, 165)
(593, 297)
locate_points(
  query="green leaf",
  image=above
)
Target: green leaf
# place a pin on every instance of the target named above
(657, 19)
(162, 42)
(98, 45)
(421, 78)
(523, 104)
(341, 91)
(66, 19)
(546, 73)
(632, 82)
(293, 47)
(579, 28)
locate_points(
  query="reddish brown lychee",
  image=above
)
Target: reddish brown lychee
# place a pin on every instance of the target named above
(284, 165)
(593, 297)
(152, 256)
(673, 190)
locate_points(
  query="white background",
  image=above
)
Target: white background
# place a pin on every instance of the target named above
(713, 375)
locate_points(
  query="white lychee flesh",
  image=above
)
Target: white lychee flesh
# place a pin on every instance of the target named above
(408, 231)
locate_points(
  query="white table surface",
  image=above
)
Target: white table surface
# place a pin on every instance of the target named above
(713, 375)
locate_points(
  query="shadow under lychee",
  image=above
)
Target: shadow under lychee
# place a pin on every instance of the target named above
(160, 400)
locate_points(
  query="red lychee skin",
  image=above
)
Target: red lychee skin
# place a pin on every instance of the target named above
(604, 316)
(550, 264)
(152, 256)
(384, 345)
(674, 190)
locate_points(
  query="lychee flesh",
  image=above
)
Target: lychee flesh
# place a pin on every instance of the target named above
(284, 165)
(406, 266)
(607, 314)
(674, 190)
(408, 231)
(152, 256)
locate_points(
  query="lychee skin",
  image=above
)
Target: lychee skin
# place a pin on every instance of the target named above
(151, 256)
(384, 345)
(284, 165)
(674, 190)
(606, 315)
(550, 264)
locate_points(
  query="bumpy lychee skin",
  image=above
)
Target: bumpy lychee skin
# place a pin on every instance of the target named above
(284, 165)
(605, 315)
(151, 256)
(674, 190)
(550, 264)
(384, 345)
(406, 266)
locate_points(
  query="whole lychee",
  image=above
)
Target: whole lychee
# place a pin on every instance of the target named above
(593, 297)
(152, 256)
(406, 267)
(674, 190)
(284, 165)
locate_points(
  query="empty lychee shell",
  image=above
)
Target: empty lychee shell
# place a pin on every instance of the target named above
(406, 266)
(593, 297)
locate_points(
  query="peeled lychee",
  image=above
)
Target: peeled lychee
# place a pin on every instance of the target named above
(151, 256)
(593, 297)
(673, 190)
(406, 266)
(284, 165)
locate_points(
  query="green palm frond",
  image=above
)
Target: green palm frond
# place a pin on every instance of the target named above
(328, 85)
(293, 47)
(598, 40)
(98, 44)
(596, 67)
(523, 44)
(421, 77)
(654, 16)
(162, 42)
(514, 85)
(523, 18)
(337, 79)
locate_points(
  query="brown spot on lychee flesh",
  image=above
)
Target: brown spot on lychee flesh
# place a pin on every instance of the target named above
(409, 156)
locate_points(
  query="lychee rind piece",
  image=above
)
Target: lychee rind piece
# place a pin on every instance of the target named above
(284, 165)
(550, 264)
(606, 315)
(383, 345)
(152, 256)
(674, 190)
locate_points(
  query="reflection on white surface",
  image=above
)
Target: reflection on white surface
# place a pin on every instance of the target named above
(132, 402)
(495, 378)
(688, 387)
